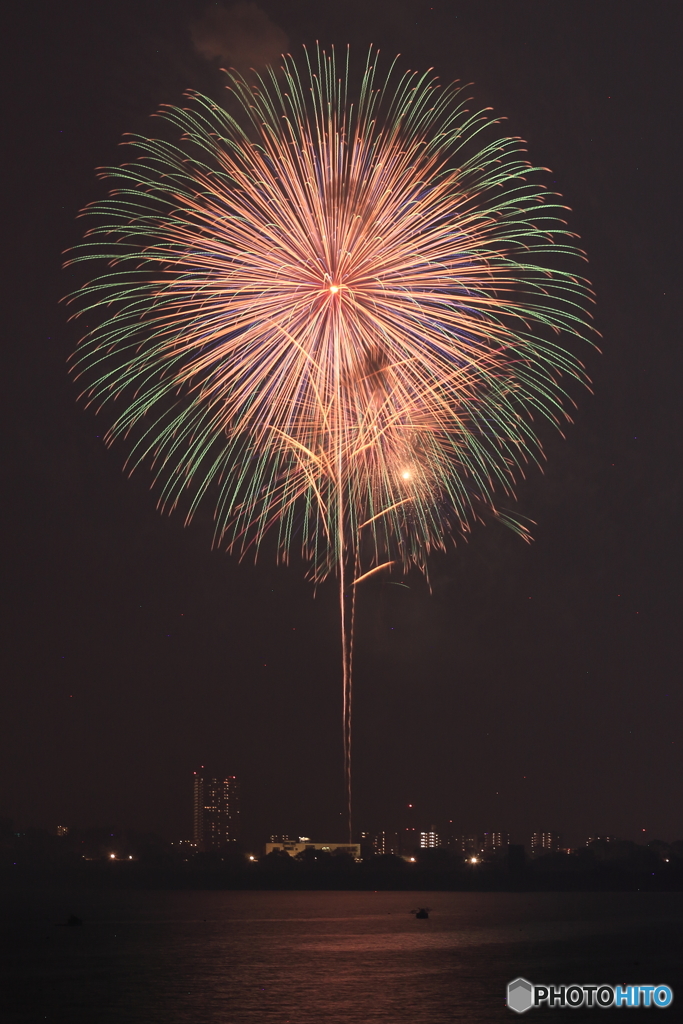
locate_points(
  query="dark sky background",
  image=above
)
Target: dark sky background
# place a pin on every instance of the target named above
(537, 687)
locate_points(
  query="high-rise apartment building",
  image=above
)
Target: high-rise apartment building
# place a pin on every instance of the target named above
(216, 810)
(545, 842)
(494, 842)
(380, 844)
(470, 846)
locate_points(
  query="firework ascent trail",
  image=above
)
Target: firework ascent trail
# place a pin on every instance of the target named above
(334, 313)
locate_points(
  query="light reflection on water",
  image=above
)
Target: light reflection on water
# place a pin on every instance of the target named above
(314, 957)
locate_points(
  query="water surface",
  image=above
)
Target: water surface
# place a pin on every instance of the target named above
(314, 957)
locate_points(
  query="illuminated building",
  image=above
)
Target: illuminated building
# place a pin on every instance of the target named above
(410, 840)
(429, 840)
(470, 845)
(448, 837)
(379, 844)
(387, 843)
(62, 830)
(293, 848)
(410, 832)
(216, 810)
(486, 845)
(457, 843)
(494, 842)
(187, 848)
(545, 842)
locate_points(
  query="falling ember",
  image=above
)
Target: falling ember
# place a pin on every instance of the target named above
(292, 416)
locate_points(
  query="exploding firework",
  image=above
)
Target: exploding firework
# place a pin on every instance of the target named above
(333, 314)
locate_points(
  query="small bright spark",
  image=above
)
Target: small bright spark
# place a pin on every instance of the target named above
(334, 288)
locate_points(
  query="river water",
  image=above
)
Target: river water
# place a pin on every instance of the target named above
(336, 957)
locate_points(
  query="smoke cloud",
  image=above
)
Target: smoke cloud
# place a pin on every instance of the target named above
(242, 35)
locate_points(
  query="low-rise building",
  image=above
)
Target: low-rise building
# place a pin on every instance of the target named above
(294, 848)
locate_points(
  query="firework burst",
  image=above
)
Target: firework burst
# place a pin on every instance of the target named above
(334, 313)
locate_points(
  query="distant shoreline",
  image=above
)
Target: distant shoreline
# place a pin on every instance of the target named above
(355, 877)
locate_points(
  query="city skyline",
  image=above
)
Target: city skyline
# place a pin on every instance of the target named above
(214, 813)
(214, 818)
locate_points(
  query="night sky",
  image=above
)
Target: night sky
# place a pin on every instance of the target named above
(536, 687)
